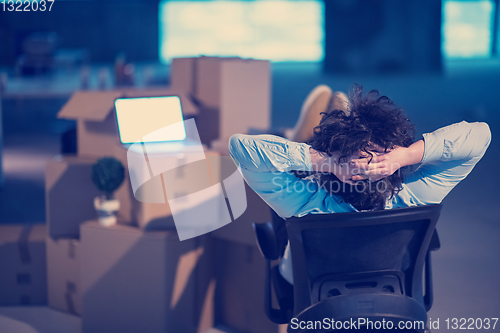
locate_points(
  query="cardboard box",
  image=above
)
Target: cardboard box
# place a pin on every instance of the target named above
(183, 75)
(23, 275)
(208, 80)
(177, 182)
(63, 274)
(97, 131)
(241, 229)
(136, 281)
(234, 94)
(257, 210)
(245, 96)
(70, 193)
(240, 274)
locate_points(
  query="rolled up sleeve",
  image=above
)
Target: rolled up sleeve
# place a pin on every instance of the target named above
(450, 154)
(461, 141)
(266, 162)
(268, 153)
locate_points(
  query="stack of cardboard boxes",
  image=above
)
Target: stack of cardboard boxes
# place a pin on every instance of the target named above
(68, 200)
(69, 191)
(22, 265)
(136, 281)
(137, 275)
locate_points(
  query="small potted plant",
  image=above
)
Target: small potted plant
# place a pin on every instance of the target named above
(107, 175)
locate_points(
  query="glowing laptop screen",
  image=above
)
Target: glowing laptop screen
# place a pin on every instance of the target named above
(140, 119)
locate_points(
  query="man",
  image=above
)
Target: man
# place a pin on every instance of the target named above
(359, 158)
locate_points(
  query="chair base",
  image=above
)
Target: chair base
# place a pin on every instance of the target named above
(376, 312)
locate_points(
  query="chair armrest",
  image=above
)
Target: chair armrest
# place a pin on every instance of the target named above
(266, 240)
(268, 247)
(435, 244)
(278, 316)
(428, 297)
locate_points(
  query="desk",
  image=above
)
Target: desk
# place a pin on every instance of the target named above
(57, 86)
(62, 84)
(21, 90)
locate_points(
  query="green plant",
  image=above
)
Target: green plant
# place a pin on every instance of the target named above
(107, 175)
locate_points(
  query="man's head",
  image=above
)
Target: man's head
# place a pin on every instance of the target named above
(371, 120)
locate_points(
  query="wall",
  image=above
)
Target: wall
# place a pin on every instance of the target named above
(382, 36)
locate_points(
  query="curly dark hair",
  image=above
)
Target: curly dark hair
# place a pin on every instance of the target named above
(370, 119)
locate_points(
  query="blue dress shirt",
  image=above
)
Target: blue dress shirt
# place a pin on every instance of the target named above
(449, 156)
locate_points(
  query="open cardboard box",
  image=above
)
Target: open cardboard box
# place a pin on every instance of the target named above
(69, 190)
(97, 131)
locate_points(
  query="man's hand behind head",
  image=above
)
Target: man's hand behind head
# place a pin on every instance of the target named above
(384, 164)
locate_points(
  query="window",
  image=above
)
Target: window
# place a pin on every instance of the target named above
(468, 28)
(275, 30)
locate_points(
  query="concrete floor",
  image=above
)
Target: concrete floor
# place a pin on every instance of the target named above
(466, 268)
(37, 319)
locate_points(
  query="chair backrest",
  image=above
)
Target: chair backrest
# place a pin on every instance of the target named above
(366, 252)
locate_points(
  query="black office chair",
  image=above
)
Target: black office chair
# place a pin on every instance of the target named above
(352, 265)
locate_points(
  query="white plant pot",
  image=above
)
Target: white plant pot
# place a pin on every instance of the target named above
(106, 210)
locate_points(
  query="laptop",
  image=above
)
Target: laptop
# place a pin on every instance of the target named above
(144, 119)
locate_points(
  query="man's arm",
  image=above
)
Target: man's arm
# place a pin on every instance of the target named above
(269, 153)
(265, 162)
(447, 156)
(450, 155)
